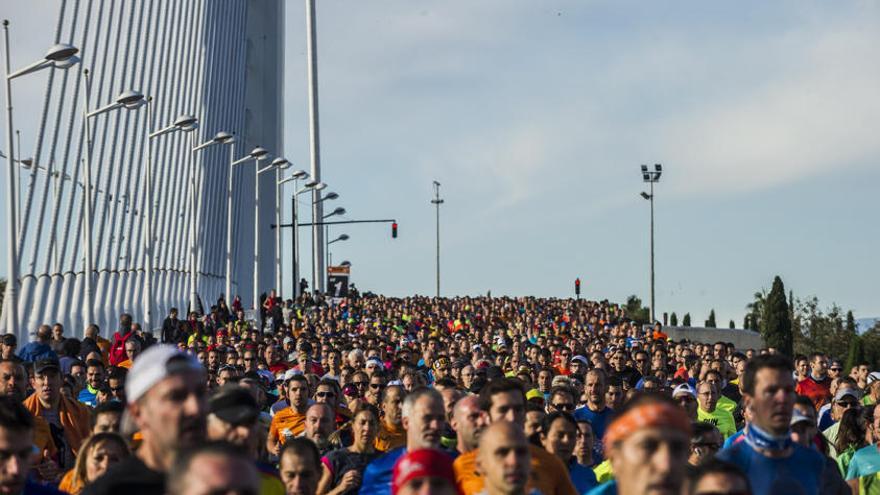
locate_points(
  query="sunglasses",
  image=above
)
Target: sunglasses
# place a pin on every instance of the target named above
(376, 386)
(325, 395)
(847, 404)
(563, 407)
(359, 384)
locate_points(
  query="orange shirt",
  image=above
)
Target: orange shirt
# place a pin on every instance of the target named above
(548, 474)
(286, 420)
(67, 485)
(43, 437)
(74, 417)
(389, 438)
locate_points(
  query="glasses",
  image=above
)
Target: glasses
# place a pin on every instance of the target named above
(848, 404)
(249, 359)
(376, 386)
(325, 395)
(359, 384)
(564, 407)
(837, 369)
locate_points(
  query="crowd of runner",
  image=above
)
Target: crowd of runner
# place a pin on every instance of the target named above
(462, 396)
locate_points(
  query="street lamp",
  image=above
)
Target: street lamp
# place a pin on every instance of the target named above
(279, 164)
(343, 237)
(312, 185)
(261, 154)
(256, 154)
(130, 100)
(183, 123)
(437, 202)
(60, 56)
(295, 177)
(651, 177)
(221, 137)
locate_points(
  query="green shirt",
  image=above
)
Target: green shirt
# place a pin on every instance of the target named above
(722, 419)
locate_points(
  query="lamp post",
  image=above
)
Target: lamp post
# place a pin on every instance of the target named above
(437, 202)
(651, 177)
(130, 100)
(257, 172)
(294, 261)
(279, 164)
(336, 211)
(310, 186)
(60, 56)
(256, 154)
(183, 123)
(219, 138)
(342, 237)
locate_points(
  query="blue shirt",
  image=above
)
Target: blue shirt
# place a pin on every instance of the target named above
(34, 351)
(607, 488)
(825, 419)
(865, 461)
(599, 420)
(799, 473)
(733, 438)
(87, 397)
(583, 478)
(377, 476)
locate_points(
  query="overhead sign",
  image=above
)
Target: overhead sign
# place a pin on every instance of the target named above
(337, 280)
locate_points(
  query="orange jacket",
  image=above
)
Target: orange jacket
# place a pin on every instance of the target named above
(74, 417)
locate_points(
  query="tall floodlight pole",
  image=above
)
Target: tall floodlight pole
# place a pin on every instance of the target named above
(651, 177)
(437, 202)
(256, 154)
(60, 56)
(183, 123)
(279, 164)
(219, 138)
(315, 147)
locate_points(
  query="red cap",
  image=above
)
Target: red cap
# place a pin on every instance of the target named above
(420, 464)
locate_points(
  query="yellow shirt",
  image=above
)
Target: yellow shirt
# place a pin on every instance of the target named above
(604, 471)
(720, 418)
(548, 475)
(287, 420)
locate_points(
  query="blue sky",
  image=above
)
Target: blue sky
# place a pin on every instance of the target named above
(535, 117)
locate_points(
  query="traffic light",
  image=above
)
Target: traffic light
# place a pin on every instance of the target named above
(394, 230)
(577, 287)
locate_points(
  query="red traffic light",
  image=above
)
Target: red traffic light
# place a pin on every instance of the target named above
(394, 230)
(577, 286)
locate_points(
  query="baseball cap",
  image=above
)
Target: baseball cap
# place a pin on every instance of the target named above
(799, 417)
(684, 388)
(873, 377)
(47, 364)
(580, 359)
(9, 339)
(534, 394)
(560, 380)
(422, 463)
(288, 340)
(234, 404)
(374, 361)
(843, 392)
(155, 364)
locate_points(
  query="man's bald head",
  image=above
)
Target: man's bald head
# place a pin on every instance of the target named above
(468, 421)
(504, 458)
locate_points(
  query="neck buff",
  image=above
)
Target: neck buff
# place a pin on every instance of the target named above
(647, 415)
(758, 438)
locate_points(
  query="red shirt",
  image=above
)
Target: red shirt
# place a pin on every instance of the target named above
(818, 392)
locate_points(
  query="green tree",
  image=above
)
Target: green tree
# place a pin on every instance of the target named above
(710, 323)
(850, 323)
(755, 310)
(776, 320)
(686, 321)
(732, 324)
(673, 319)
(855, 354)
(635, 311)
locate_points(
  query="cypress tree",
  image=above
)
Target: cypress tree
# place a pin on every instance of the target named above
(673, 319)
(776, 320)
(710, 323)
(686, 321)
(732, 324)
(850, 324)
(856, 353)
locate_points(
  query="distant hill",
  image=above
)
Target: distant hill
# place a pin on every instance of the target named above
(865, 324)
